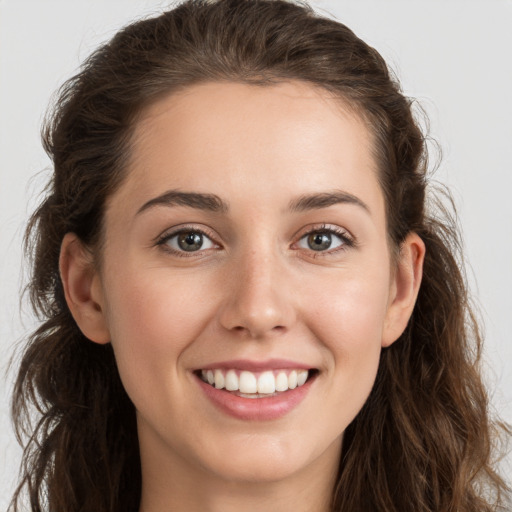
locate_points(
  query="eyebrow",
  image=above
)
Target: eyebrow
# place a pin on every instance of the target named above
(208, 202)
(324, 200)
(213, 203)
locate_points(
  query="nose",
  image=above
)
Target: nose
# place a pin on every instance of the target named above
(259, 298)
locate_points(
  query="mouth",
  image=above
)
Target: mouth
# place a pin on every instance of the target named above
(250, 390)
(256, 384)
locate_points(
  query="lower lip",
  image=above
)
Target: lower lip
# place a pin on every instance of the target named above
(256, 409)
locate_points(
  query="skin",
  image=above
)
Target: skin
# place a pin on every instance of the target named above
(257, 291)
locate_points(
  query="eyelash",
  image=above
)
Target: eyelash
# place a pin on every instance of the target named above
(348, 240)
(343, 235)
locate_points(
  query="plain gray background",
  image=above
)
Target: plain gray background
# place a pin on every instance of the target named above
(453, 56)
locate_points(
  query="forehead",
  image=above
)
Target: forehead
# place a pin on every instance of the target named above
(265, 141)
(222, 102)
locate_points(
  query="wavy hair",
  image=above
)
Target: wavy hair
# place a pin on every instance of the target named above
(423, 440)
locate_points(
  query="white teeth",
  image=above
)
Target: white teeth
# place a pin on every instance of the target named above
(250, 384)
(231, 381)
(282, 382)
(266, 383)
(292, 379)
(219, 379)
(247, 382)
(302, 377)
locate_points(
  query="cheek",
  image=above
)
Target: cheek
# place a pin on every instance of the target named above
(349, 318)
(349, 312)
(152, 320)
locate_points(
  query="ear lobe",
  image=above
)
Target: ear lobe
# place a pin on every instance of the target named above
(404, 288)
(82, 289)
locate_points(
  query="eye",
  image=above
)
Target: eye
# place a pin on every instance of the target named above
(325, 240)
(186, 241)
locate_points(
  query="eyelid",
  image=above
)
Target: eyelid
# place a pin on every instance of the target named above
(162, 239)
(175, 230)
(343, 234)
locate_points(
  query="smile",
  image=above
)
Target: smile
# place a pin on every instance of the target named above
(255, 384)
(258, 392)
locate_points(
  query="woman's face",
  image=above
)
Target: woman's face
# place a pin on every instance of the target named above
(248, 245)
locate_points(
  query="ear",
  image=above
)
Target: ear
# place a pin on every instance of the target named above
(404, 288)
(82, 289)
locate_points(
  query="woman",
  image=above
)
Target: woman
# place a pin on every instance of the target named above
(246, 303)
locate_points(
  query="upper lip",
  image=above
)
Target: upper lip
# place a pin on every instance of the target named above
(256, 366)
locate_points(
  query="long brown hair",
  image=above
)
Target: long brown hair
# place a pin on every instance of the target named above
(423, 441)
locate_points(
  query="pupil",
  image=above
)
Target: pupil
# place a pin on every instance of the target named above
(319, 241)
(190, 241)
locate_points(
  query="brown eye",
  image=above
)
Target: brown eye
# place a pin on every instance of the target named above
(190, 241)
(187, 241)
(325, 240)
(319, 241)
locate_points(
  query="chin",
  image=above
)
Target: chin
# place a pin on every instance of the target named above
(268, 460)
(252, 470)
